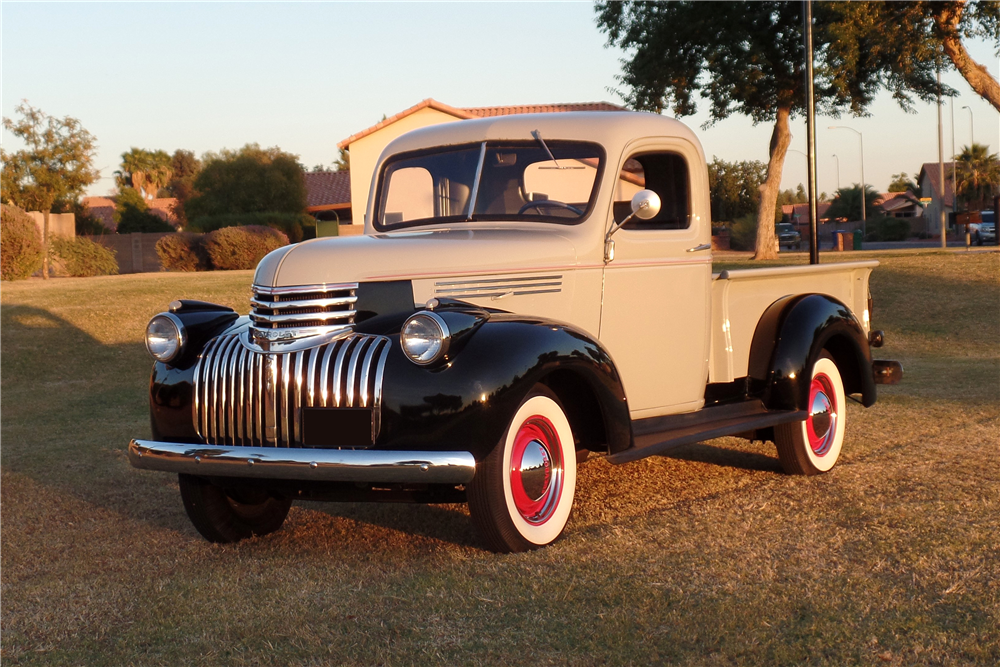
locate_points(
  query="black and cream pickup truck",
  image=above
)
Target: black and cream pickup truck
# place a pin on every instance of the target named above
(527, 288)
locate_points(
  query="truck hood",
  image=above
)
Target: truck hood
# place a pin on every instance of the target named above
(411, 255)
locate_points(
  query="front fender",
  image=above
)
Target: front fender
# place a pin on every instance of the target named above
(467, 403)
(791, 334)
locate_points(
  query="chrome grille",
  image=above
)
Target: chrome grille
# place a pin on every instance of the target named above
(303, 306)
(248, 398)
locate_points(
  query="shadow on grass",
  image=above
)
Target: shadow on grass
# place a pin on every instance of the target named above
(728, 457)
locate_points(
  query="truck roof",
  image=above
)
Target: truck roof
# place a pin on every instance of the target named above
(613, 130)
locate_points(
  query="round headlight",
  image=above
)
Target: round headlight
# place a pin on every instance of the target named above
(425, 338)
(165, 336)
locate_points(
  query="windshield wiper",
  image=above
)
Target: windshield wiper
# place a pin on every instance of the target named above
(538, 137)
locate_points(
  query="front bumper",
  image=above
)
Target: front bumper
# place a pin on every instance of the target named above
(323, 465)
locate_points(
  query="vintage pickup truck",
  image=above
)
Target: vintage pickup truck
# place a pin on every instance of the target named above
(528, 289)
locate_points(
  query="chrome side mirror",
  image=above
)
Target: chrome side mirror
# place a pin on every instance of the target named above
(645, 206)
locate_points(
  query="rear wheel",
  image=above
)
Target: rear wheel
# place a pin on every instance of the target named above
(813, 445)
(522, 494)
(230, 515)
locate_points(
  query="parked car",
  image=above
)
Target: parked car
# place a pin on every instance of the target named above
(986, 231)
(788, 236)
(527, 288)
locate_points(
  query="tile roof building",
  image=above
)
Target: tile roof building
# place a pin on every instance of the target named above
(328, 191)
(103, 208)
(366, 146)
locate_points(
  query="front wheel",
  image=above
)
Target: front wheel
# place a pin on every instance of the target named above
(522, 494)
(230, 515)
(813, 445)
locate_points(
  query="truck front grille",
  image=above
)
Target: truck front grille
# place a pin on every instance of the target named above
(248, 398)
(303, 306)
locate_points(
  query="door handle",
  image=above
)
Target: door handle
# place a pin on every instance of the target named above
(703, 246)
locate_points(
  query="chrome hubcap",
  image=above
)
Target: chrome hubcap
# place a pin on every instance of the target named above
(821, 427)
(536, 469)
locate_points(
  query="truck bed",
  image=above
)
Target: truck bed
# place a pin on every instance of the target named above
(740, 297)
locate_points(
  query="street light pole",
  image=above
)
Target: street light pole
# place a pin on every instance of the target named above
(972, 125)
(838, 169)
(864, 217)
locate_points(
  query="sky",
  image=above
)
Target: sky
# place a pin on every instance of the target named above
(304, 76)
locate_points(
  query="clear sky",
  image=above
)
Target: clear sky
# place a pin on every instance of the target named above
(304, 76)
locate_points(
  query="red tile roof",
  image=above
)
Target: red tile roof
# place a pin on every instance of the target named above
(328, 190)
(893, 201)
(481, 112)
(800, 212)
(103, 208)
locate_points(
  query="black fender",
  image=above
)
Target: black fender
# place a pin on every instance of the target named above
(467, 402)
(789, 337)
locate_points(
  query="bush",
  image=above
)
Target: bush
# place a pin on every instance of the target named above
(20, 244)
(289, 223)
(183, 252)
(744, 233)
(888, 229)
(232, 248)
(82, 258)
(132, 214)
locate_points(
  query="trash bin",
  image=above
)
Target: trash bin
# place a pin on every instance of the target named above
(858, 238)
(838, 240)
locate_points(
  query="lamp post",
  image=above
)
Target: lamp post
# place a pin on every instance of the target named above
(972, 125)
(838, 169)
(864, 218)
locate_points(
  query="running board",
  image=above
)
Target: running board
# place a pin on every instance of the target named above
(659, 434)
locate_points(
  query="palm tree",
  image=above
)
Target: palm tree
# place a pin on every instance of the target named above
(977, 177)
(146, 171)
(846, 203)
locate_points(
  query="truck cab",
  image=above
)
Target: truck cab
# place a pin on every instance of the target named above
(527, 287)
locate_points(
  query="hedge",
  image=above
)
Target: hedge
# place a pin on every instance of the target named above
(82, 258)
(183, 252)
(20, 244)
(234, 248)
(291, 224)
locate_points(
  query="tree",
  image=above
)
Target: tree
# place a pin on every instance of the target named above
(847, 202)
(734, 187)
(250, 180)
(132, 214)
(146, 171)
(977, 177)
(343, 162)
(184, 167)
(56, 163)
(902, 182)
(748, 58)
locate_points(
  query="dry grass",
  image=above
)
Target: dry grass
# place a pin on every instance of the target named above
(708, 556)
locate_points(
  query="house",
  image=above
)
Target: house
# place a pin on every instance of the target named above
(798, 214)
(929, 181)
(899, 204)
(366, 146)
(328, 195)
(103, 208)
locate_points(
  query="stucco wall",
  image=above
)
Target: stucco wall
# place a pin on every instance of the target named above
(365, 153)
(61, 224)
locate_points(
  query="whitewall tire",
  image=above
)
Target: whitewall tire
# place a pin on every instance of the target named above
(522, 495)
(812, 446)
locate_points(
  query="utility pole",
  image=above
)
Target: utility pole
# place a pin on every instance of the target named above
(838, 169)
(811, 132)
(941, 217)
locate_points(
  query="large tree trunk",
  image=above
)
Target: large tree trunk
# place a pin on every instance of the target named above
(781, 138)
(45, 244)
(977, 75)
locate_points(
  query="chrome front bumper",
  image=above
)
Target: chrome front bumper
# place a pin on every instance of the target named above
(325, 465)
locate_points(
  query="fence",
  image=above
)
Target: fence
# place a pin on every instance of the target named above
(136, 252)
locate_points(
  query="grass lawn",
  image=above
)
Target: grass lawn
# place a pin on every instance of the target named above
(707, 556)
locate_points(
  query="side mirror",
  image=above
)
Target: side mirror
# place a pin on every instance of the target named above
(645, 205)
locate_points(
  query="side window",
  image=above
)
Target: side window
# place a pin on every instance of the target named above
(666, 174)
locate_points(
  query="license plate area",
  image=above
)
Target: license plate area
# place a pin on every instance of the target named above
(336, 427)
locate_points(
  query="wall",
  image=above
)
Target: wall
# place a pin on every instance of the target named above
(136, 253)
(61, 224)
(366, 151)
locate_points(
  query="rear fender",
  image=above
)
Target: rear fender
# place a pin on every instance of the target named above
(790, 336)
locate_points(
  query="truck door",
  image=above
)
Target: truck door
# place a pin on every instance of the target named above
(656, 303)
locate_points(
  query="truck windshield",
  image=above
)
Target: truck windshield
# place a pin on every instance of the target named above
(519, 181)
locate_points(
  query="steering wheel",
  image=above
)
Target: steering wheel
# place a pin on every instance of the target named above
(549, 202)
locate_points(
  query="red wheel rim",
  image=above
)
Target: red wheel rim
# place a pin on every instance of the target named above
(536, 468)
(821, 426)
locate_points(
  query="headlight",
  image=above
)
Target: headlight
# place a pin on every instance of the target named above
(425, 337)
(165, 337)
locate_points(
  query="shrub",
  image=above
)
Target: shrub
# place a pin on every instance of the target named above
(183, 252)
(83, 258)
(744, 233)
(20, 244)
(888, 229)
(289, 223)
(132, 214)
(232, 248)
